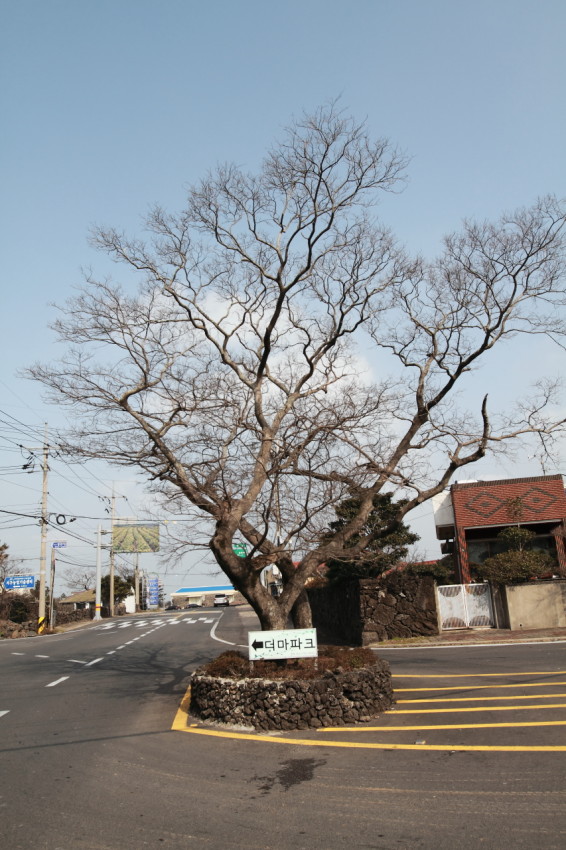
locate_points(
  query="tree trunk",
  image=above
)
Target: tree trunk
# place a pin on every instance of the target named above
(301, 613)
(272, 615)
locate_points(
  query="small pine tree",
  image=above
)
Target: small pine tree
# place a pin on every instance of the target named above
(387, 547)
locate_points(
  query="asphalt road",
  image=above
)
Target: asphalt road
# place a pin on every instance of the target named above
(89, 759)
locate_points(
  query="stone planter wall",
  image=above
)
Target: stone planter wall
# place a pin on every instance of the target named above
(333, 700)
(366, 611)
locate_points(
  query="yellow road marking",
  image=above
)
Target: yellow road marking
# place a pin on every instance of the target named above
(473, 675)
(479, 708)
(483, 699)
(181, 719)
(443, 726)
(302, 742)
(483, 687)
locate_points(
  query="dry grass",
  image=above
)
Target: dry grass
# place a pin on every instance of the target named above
(335, 659)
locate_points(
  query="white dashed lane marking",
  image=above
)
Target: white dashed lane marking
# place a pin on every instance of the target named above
(56, 682)
(2, 713)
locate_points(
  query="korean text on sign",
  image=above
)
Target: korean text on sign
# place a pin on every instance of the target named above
(290, 643)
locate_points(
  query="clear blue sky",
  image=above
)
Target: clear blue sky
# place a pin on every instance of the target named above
(110, 106)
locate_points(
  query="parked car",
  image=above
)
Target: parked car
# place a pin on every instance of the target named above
(172, 608)
(192, 605)
(220, 599)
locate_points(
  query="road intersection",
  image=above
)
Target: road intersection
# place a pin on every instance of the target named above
(90, 761)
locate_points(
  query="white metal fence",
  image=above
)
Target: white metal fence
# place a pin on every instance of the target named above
(464, 606)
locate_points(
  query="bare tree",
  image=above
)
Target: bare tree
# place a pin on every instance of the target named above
(80, 579)
(8, 566)
(234, 378)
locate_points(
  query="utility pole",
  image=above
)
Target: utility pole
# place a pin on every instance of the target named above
(111, 583)
(41, 619)
(137, 582)
(52, 588)
(98, 592)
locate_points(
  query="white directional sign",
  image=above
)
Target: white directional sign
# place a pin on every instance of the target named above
(288, 643)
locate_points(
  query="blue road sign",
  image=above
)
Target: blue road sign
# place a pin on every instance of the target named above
(153, 592)
(18, 582)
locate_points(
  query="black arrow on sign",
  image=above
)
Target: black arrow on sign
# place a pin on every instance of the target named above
(257, 644)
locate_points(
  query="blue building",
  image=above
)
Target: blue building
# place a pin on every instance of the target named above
(203, 595)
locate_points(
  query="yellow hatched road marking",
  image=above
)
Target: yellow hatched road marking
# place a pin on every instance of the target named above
(483, 699)
(479, 708)
(483, 687)
(473, 675)
(181, 719)
(440, 726)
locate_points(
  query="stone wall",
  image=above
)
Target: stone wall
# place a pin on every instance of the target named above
(9, 629)
(64, 615)
(334, 699)
(336, 613)
(366, 611)
(397, 606)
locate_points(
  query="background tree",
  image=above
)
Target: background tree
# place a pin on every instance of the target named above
(388, 541)
(83, 578)
(232, 377)
(520, 562)
(8, 566)
(4, 564)
(122, 588)
(442, 571)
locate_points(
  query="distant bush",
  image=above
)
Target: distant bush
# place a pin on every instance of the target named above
(508, 567)
(17, 608)
(442, 571)
(520, 562)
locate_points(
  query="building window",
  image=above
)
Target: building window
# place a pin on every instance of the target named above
(479, 550)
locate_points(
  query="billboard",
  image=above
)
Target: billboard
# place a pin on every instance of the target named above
(135, 537)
